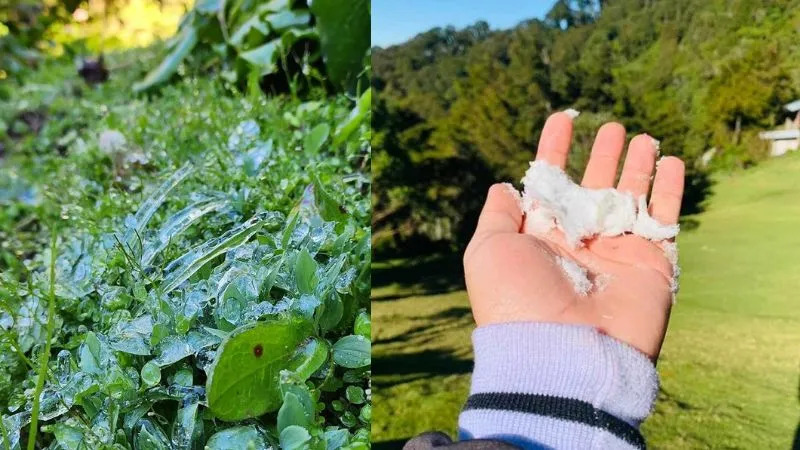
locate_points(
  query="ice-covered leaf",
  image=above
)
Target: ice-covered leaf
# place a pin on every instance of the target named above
(336, 439)
(177, 224)
(244, 380)
(132, 336)
(237, 438)
(151, 373)
(174, 348)
(294, 438)
(305, 272)
(352, 351)
(182, 268)
(149, 436)
(151, 204)
(237, 297)
(186, 429)
(292, 412)
(69, 437)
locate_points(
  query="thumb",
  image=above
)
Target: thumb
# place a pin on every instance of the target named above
(501, 213)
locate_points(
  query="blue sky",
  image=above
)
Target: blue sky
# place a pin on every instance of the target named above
(395, 21)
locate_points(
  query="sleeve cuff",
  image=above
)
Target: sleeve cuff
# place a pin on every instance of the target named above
(565, 373)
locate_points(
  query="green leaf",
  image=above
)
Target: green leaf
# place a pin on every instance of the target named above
(209, 6)
(68, 437)
(170, 64)
(363, 325)
(336, 439)
(292, 35)
(254, 23)
(91, 354)
(264, 56)
(244, 379)
(329, 208)
(294, 438)
(288, 18)
(316, 138)
(344, 29)
(292, 412)
(186, 427)
(305, 272)
(151, 373)
(160, 331)
(148, 436)
(356, 117)
(355, 395)
(238, 438)
(332, 312)
(182, 268)
(352, 352)
(315, 353)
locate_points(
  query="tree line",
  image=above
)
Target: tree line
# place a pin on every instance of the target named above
(456, 110)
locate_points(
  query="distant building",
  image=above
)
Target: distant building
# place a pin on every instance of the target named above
(787, 138)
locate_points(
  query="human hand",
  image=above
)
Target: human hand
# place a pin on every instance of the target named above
(516, 277)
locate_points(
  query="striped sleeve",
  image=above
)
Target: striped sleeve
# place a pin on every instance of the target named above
(545, 385)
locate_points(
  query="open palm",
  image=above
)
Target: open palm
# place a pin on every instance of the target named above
(513, 277)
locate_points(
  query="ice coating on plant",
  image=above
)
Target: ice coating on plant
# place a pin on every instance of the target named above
(578, 276)
(182, 268)
(177, 224)
(111, 141)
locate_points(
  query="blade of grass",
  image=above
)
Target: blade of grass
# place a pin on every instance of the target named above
(6, 443)
(44, 358)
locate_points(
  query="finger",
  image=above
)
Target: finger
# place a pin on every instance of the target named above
(501, 213)
(665, 201)
(601, 171)
(638, 167)
(555, 140)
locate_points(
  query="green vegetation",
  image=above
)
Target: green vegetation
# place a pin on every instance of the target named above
(457, 110)
(275, 44)
(167, 259)
(729, 366)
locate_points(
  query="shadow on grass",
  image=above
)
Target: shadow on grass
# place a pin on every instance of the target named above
(406, 367)
(437, 274)
(437, 324)
(669, 398)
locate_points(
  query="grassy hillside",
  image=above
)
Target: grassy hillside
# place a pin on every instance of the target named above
(730, 365)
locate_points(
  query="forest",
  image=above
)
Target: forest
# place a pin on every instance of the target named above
(455, 110)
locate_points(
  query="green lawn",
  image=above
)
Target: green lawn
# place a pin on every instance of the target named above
(731, 361)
